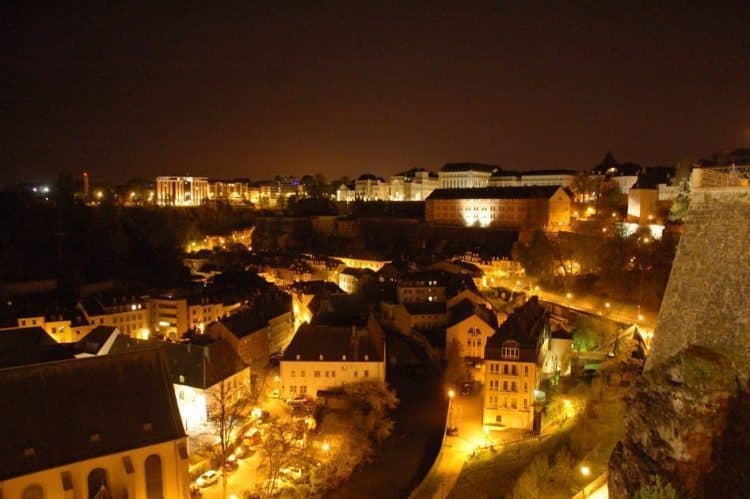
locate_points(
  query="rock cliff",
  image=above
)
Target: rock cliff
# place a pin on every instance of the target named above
(687, 416)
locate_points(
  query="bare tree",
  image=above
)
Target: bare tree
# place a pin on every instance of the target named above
(283, 447)
(227, 404)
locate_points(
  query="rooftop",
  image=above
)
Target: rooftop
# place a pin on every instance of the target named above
(91, 407)
(525, 192)
(332, 343)
(468, 167)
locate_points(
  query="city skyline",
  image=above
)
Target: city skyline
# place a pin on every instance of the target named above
(266, 90)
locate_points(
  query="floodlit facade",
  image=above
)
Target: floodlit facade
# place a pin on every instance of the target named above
(181, 191)
(324, 357)
(513, 358)
(465, 175)
(546, 208)
(230, 191)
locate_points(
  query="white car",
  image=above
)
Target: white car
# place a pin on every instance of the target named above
(210, 477)
(293, 472)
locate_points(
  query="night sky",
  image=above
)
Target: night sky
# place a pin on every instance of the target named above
(256, 90)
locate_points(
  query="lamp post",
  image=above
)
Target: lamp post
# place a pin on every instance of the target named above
(451, 395)
(585, 472)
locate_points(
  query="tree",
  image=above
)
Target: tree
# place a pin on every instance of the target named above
(537, 256)
(656, 490)
(282, 447)
(226, 405)
(587, 333)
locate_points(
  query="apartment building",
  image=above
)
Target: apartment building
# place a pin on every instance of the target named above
(181, 191)
(324, 357)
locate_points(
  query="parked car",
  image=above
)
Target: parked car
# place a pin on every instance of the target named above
(452, 431)
(298, 400)
(210, 477)
(293, 472)
(230, 466)
(252, 437)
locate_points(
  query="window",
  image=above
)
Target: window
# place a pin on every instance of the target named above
(333, 374)
(355, 374)
(505, 368)
(291, 373)
(468, 342)
(154, 488)
(505, 386)
(182, 395)
(525, 370)
(513, 370)
(316, 374)
(33, 492)
(327, 374)
(513, 387)
(97, 481)
(293, 389)
(302, 389)
(302, 374)
(366, 373)
(525, 403)
(513, 404)
(525, 387)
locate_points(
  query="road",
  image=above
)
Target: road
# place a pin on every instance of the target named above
(242, 479)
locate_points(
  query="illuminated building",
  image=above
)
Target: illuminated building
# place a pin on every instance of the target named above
(230, 191)
(465, 175)
(324, 357)
(119, 436)
(345, 193)
(513, 356)
(128, 314)
(181, 191)
(562, 178)
(198, 369)
(370, 188)
(362, 263)
(545, 207)
(469, 327)
(412, 185)
(350, 279)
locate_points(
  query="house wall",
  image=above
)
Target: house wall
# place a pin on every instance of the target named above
(470, 335)
(499, 396)
(325, 374)
(175, 479)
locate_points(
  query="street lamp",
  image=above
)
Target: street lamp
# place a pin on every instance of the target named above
(585, 471)
(326, 447)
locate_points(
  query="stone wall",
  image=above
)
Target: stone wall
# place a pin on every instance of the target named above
(707, 300)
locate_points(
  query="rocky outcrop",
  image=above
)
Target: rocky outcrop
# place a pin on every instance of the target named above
(685, 423)
(687, 416)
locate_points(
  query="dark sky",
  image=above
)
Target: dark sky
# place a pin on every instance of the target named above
(261, 89)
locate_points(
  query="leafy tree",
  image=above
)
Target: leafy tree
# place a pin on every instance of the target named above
(656, 490)
(588, 333)
(537, 256)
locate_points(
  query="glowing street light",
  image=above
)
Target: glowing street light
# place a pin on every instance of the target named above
(256, 412)
(326, 447)
(585, 470)
(606, 304)
(569, 295)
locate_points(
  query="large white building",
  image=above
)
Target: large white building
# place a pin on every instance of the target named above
(324, 357)
(412, 185)
(465, 175)
(181, 191)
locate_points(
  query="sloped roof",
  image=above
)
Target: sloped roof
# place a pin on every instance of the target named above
(73, 410)
(30, 345)
(466, 308)
(524, 326)
(332, 342)
(202, 366)
(525, 192)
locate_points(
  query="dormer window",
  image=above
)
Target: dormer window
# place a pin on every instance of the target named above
(510, 350)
